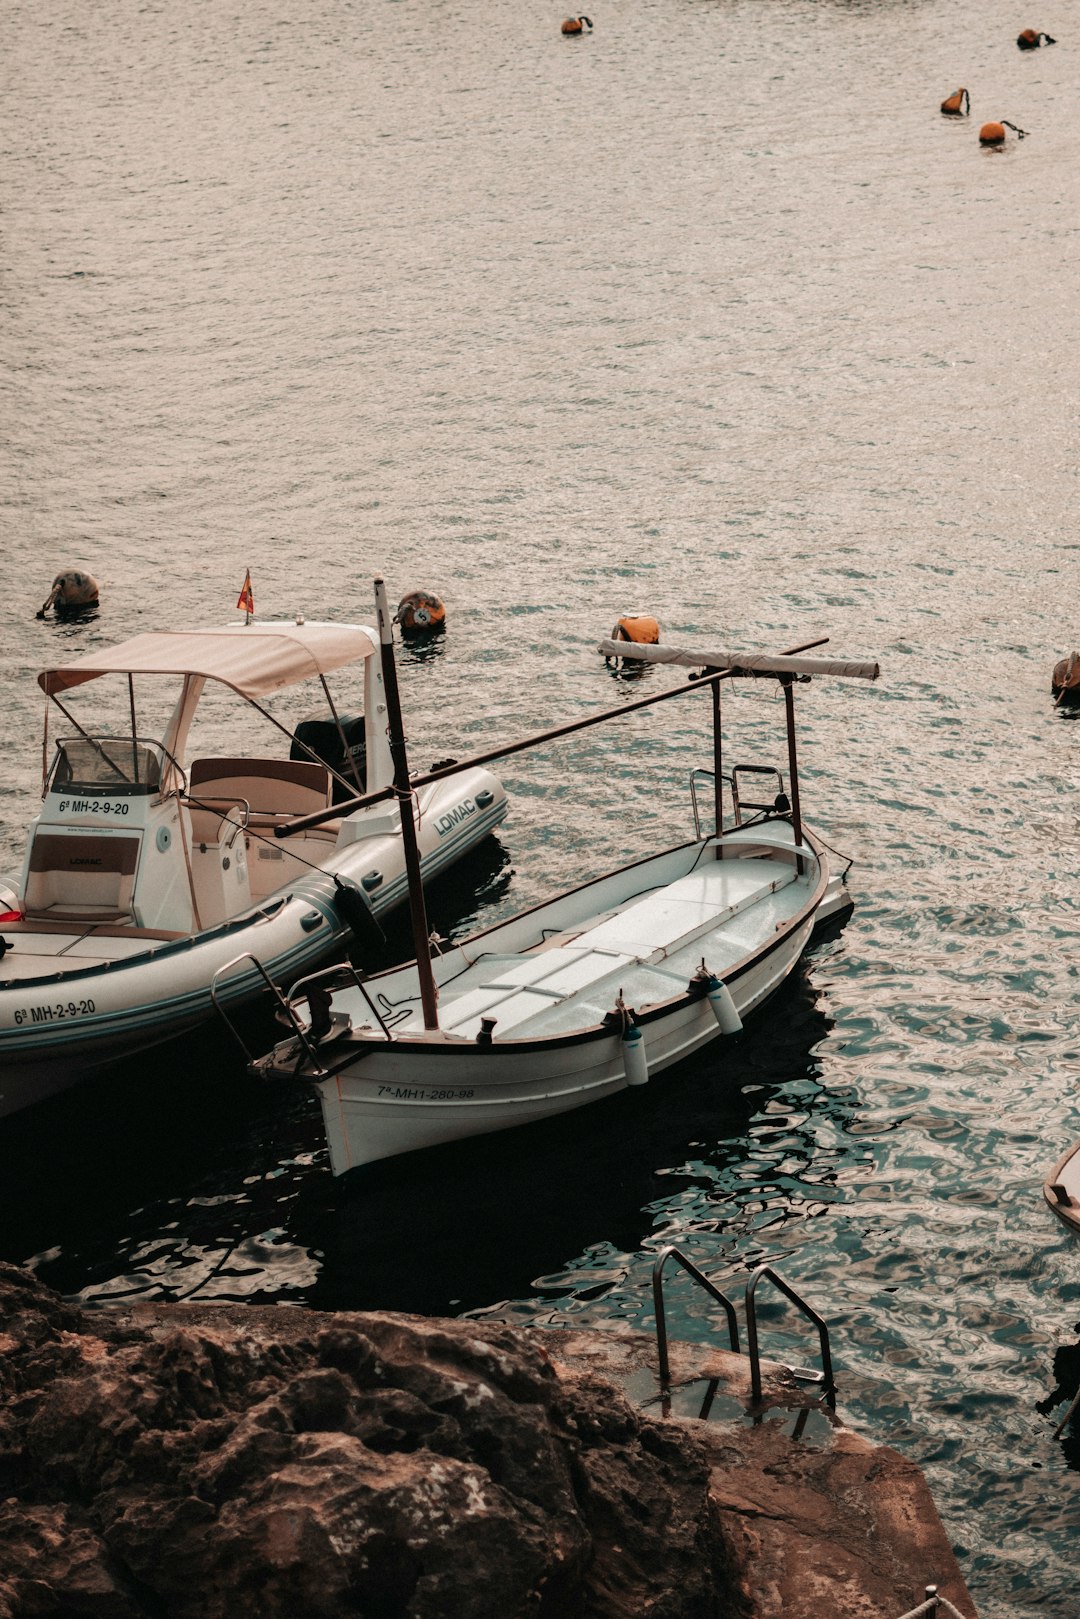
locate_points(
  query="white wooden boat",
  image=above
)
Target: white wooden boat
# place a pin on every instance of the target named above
(151, 865)
(1061, 1188)
(572, 1001)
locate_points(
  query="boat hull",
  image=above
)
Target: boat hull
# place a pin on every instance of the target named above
(64, 1017)
(1061, 1188)
(533, 1014)
(379, 1108)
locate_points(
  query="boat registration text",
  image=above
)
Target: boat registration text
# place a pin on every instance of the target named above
(420, 1093)
(93, 806)
(52, 1013)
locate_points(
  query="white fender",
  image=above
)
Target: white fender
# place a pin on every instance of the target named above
(635, 1060)
(719, 998)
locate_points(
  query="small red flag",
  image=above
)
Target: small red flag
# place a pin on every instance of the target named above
(247, 598)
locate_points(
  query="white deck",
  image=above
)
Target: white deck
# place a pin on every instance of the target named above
(649, 950)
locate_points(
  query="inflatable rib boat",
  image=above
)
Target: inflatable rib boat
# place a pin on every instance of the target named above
(153, 865)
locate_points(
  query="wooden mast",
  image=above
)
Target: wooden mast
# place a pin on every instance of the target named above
(403, 792)
(788, 684)
(718, 762)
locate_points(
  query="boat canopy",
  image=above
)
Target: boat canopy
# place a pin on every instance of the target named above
(754, 662)
(253, 659)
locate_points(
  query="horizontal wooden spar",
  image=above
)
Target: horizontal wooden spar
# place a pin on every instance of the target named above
(755, 663)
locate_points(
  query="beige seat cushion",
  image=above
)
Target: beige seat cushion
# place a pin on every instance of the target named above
(80, 879)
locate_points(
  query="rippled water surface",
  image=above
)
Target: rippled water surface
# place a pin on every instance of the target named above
(708, 314)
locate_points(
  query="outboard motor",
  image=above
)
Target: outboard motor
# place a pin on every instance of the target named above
(323, 739)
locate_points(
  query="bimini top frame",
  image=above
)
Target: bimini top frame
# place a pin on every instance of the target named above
(252, 660)
(255, 660)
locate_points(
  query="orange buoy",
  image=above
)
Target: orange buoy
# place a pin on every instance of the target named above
(994, 134)
(637, 627)
(421, 613)
(957, 105)
(1030, 40)
(573, 26)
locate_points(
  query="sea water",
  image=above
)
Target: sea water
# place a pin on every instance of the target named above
(708, 314)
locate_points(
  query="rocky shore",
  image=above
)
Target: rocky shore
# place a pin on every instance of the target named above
(187, 1462)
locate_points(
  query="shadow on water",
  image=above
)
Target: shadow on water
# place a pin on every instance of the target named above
(1066, 1388)
(454, 1228)
(203, 1185)
(153, 1126)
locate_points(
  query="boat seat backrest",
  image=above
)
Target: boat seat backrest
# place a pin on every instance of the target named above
(269, 787)
(214, 821)
(80, 879)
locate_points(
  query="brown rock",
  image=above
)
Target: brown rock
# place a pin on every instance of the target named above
(198, 1464)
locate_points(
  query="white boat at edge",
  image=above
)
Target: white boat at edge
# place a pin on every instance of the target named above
(145, 874)
(1061, 1187)
(601, 988)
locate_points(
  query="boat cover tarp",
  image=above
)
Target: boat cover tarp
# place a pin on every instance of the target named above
(755, 662)
(252, 659)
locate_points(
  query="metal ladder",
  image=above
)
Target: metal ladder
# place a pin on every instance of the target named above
(341, 975)
(825, 1376)
(934, 1605)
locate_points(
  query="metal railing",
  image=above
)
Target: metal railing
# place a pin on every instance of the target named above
(328, 977)
(752, 1348)
(811, 1315)
(703, 775)
(658, 1306)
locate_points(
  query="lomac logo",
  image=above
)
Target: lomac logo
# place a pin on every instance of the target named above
(461, 812)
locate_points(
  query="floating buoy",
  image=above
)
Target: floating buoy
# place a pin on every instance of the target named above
(635, 1060)
(421, 613)
(638, 627)
(994, 134)
(71, 593)
(1065, 680)
(958, 105)
(1030, 40)
(573, 26)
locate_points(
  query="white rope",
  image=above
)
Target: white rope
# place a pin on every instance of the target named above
(934, 1605)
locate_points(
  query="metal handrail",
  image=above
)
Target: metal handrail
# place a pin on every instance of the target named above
(740, 803)
(752, 1334)
(343, 967)
(704, 775)
(283, 1004)
(934, 1605)
(702, 1280)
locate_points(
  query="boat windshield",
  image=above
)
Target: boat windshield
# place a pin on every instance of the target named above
(105, 764)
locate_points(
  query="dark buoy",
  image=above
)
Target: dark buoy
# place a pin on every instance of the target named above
(573, 26)
(1030, 40)
(994, 134)
(420, 614)
(1065, 680)
(958, 105)
(72, 593)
